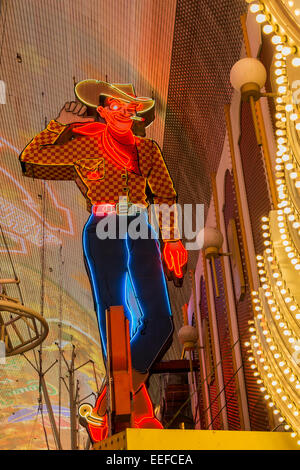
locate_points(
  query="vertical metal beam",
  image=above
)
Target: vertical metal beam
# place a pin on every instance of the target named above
(118, 369)
(201, 354)
(50, 413)
(72, 403)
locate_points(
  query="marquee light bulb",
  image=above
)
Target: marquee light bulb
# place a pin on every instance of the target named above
(255, 7)
(268, 28)
(261, 18)
(281, 80)
(296, 61)
(276, 39)
(282, 90)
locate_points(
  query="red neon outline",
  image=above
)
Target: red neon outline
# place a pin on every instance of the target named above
(147, 418)
(120, 158)
(175, 256)
(98, 433)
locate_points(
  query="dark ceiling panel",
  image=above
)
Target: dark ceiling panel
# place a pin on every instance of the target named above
(207, 42)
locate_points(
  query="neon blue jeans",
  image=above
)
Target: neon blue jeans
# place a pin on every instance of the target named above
(126, 271)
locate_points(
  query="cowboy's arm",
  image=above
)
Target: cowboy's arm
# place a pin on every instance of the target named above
(166, 211)
(44, 158)
(51, 154)
(164, 196)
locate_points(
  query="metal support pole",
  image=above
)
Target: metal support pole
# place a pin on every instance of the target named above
(50, 413)
(72, 403)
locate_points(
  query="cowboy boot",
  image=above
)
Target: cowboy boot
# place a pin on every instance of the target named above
(143, 415)
(138, 379)
(95, 419)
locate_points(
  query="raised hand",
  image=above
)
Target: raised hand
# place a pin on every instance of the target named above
(73, 112)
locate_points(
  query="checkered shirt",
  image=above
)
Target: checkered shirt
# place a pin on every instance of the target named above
(83, 159)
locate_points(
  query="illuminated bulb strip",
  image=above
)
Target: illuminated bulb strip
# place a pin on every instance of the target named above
(292, 171)
(288, 206)
(288, 242)
(289, 247)
(272, 354)
(279, 38)
(275, 329)
(289, 107)
(279, 402)
(274, 373)
(272, 343)
(293, 227)
(273, 273)
(274, 386)
(276, 389)
(286, 161)
(287, 110)
(290, 315)
(280, 338)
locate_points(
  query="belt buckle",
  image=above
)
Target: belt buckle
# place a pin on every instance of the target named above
(103, 209)
(122, 208)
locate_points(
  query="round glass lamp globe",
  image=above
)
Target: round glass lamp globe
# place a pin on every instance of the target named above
(209, 237)
(187, 334)
(248, 70)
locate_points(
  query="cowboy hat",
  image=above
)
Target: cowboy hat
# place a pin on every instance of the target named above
(89, 92)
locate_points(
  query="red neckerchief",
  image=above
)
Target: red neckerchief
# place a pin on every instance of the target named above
(121, 149)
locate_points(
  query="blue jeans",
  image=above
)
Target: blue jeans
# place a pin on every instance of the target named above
(126, 271)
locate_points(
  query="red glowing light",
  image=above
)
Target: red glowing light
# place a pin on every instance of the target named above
(111, 146)
(99, 432)
(93, 175)
(146, 418)
(175, 256)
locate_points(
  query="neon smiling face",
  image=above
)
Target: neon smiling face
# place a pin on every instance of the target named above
(118, 114)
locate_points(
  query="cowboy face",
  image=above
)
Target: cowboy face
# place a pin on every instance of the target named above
(118, 114)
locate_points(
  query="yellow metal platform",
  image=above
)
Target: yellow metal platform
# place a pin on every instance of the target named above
(177, 439)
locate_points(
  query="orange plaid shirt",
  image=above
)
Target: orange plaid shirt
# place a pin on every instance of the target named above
(82, 155)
